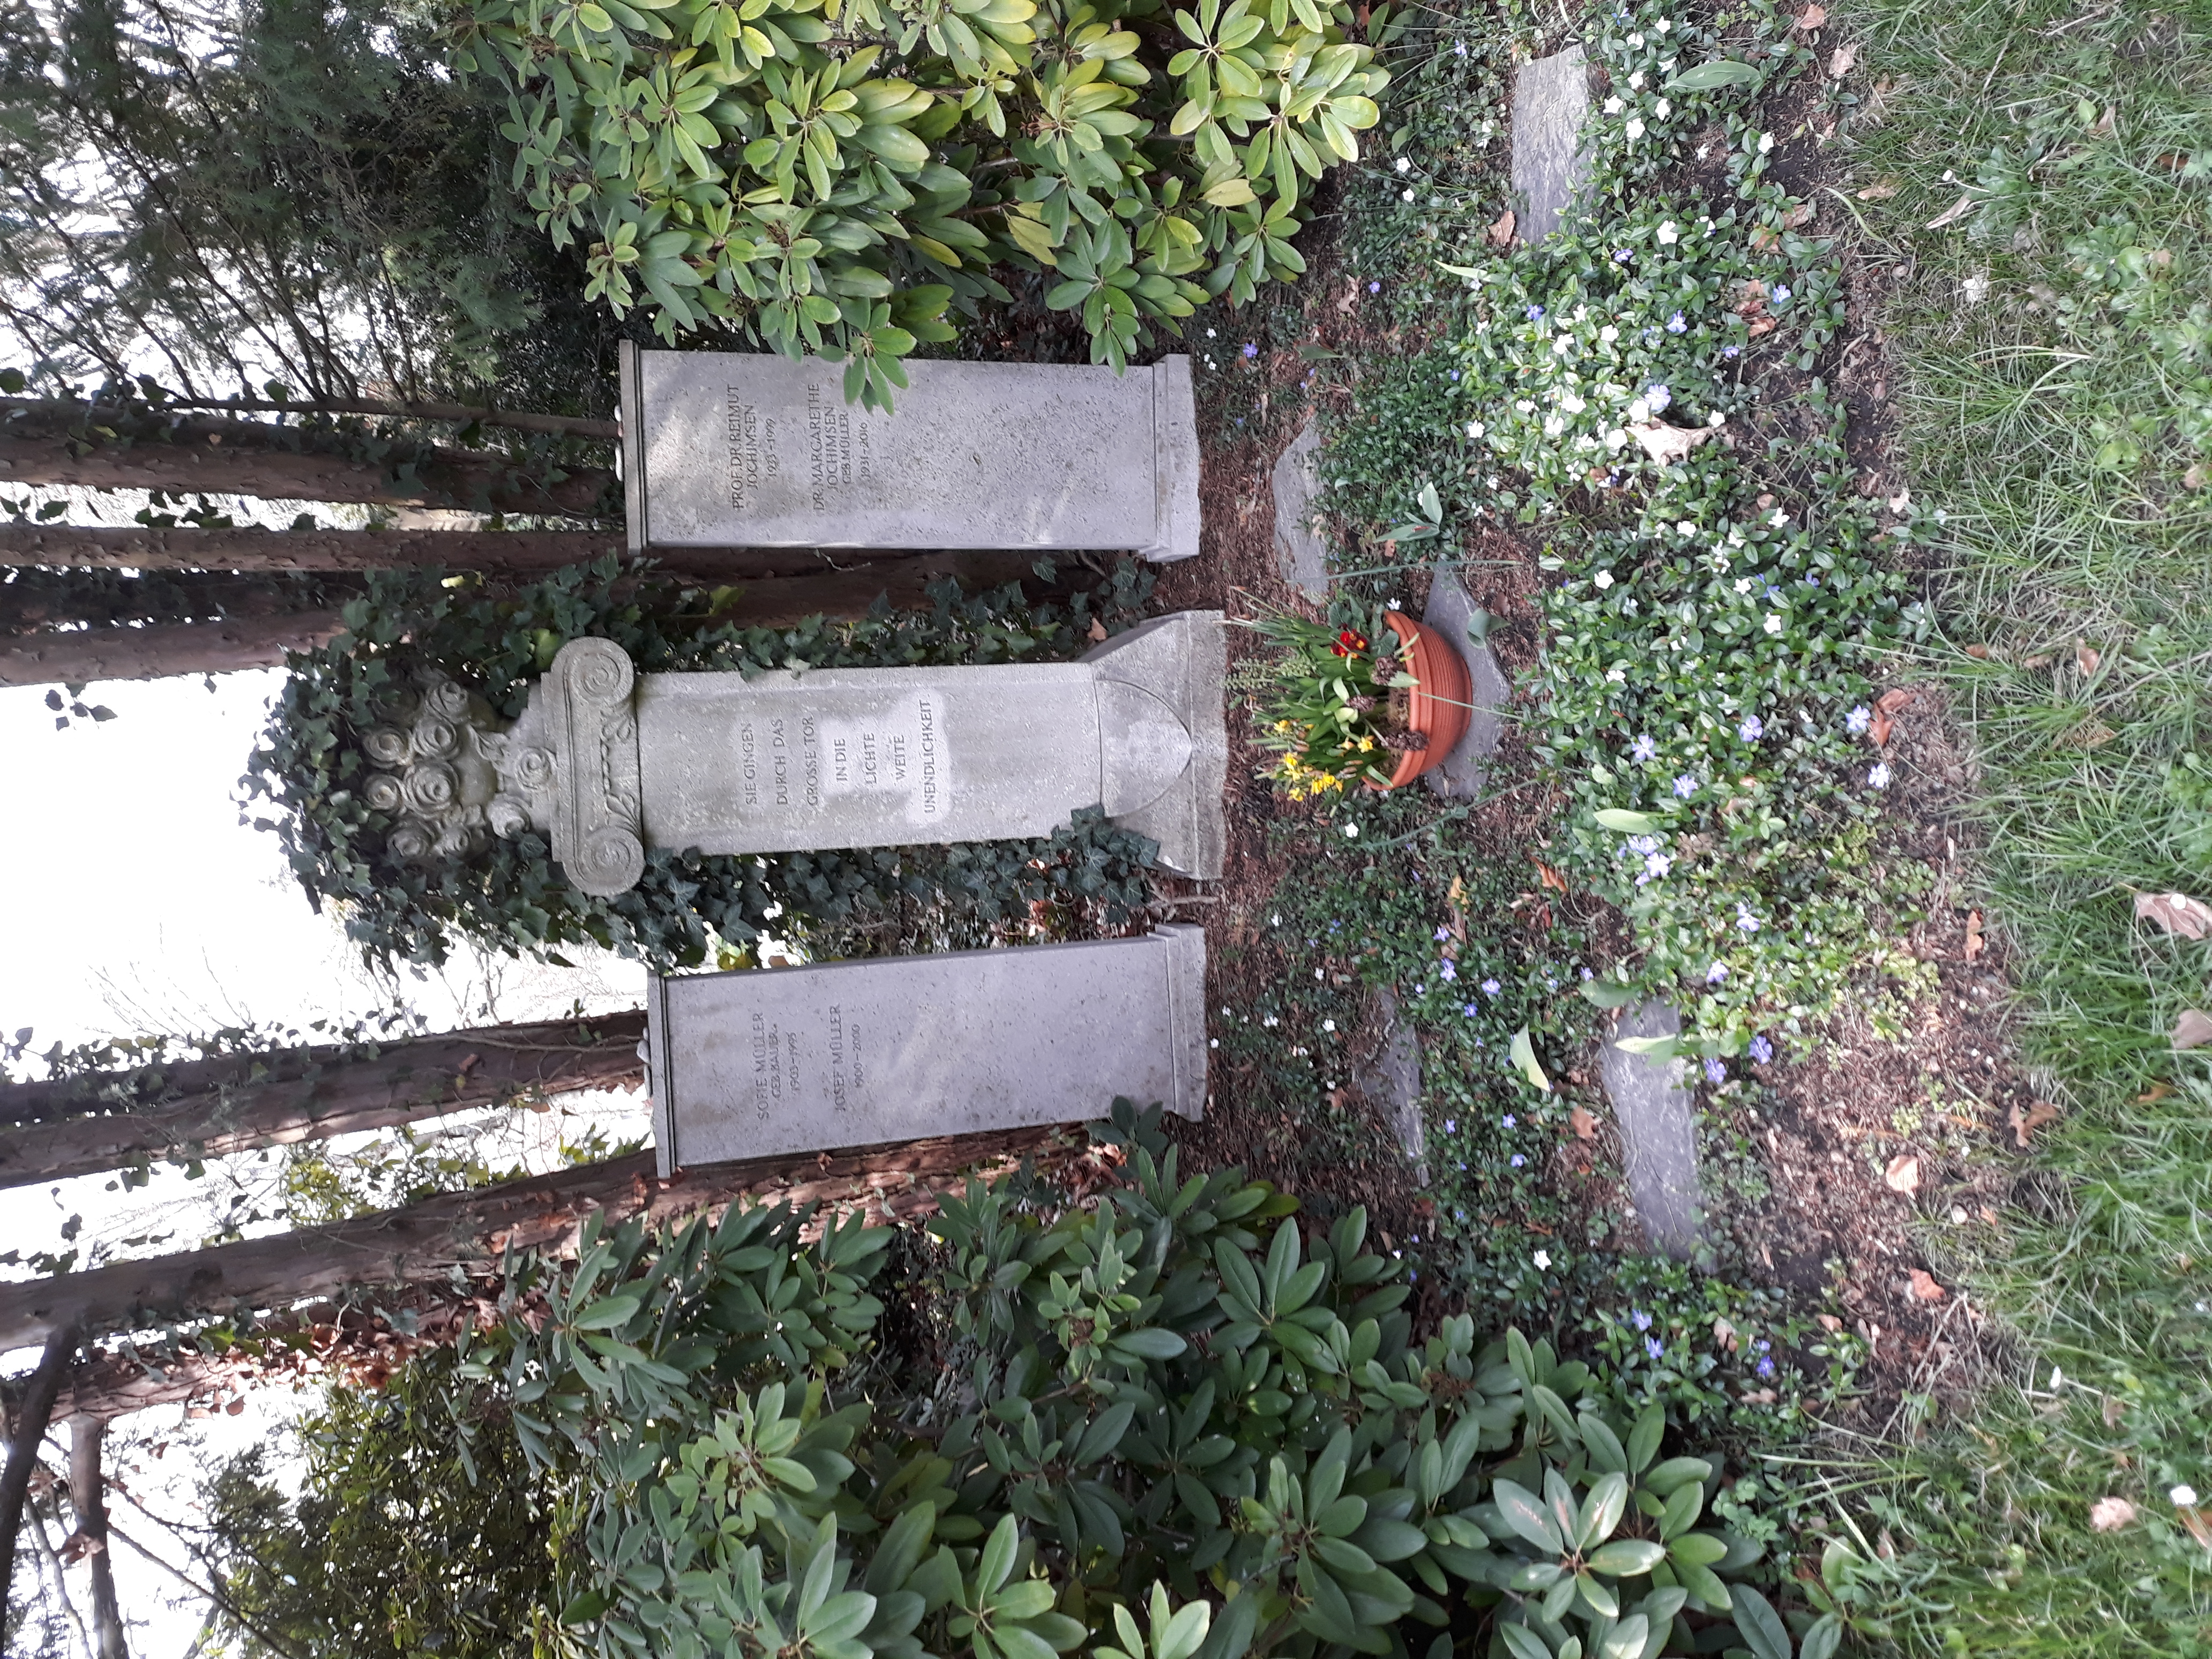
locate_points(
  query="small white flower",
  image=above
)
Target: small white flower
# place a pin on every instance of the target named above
(1743, 584)
(1328, 1025)
(1613, 106)
(1403, 164)
(1572, 405)
(1638, 412)
(2184, 1497)
(1554, 426)
(1407, 194)
(1349, 831)
(1636, 40)
(1779, 519)
(1663, 25)
(1683, 527)
(1583, 441)
(1718, 420)
(1878, 778)
(1604, 579)
(1608, 334)
(1773, 623)
(1524, 405)
(1271, 1022)
(1975, 288)
(1636, 79)
(1635, 127)
(1562, 345)
(1474, 428)
(1662, 109)
(1765, 143)
(1542, 1259)
(1618, 676)
(1214, 1042)
(1616, 439)
(1668, 235)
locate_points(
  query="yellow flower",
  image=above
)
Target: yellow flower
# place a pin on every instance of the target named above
(1366, 744)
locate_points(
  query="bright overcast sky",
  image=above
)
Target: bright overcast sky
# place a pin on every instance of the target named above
(135, 901)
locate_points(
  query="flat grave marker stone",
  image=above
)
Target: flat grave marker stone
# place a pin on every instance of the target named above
(745, 449)
(768, 1061)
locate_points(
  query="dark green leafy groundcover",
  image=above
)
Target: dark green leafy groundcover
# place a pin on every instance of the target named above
(1172, 1422)
(513, 898)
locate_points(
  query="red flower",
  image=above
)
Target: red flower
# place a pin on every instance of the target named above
(1348, 642)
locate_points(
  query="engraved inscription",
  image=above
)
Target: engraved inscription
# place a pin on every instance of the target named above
(840, 451)
(750, 437)
(891, 755)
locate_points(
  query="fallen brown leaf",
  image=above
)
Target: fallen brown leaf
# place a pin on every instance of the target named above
(1895, 698)
(2105, 122)
(1812, 17)
(1829, 1323)
(1881, 189)
(1669, 444)
(2193, 1030)
(2156, 1092)
(1501, 229)
(1097, 631)
(1879, 728)
(1547, 877)
(1925, 1287)
(1584, 1125)
(1975, 943)
(2086, 657)
(1951, 215)
(1841, 61)
(2177, 912)
(1762, 326)
(1764, 239)
(2025, 1124)
(1799, 216)
(1903, 1174)
(1724, 1334)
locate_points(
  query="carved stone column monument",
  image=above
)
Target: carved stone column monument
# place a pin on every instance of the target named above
(739, 449)
(854, 1053)
(606, 762)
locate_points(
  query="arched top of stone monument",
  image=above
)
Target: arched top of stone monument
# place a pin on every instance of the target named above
(1144, 746)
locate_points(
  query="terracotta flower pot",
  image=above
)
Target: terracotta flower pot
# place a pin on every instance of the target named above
(1440, 705)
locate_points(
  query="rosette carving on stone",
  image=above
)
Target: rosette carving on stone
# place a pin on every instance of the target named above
(449, 775)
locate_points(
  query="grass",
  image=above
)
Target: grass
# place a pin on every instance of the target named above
(2055, 400)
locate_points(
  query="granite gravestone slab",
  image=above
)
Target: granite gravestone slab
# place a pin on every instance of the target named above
(731, 449)
(607, 763)
(1550, 160)
(856, 1054)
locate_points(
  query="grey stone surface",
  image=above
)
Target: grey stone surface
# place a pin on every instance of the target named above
(1549, 97)
(854, 1053)
(1295, 483)
(724, 449)
(1450, 612)
(1392, 1080)
(1658, 1132)
(607, 762)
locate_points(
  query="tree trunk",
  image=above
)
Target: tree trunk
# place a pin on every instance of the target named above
(79, 656)
(91, 597)
(49, 412)
(29, 1428)
(521, 553)
(89, 1497)
(455, 1233)
(253, 461)
(557, 426)
(247, 549)
(209, 1108)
